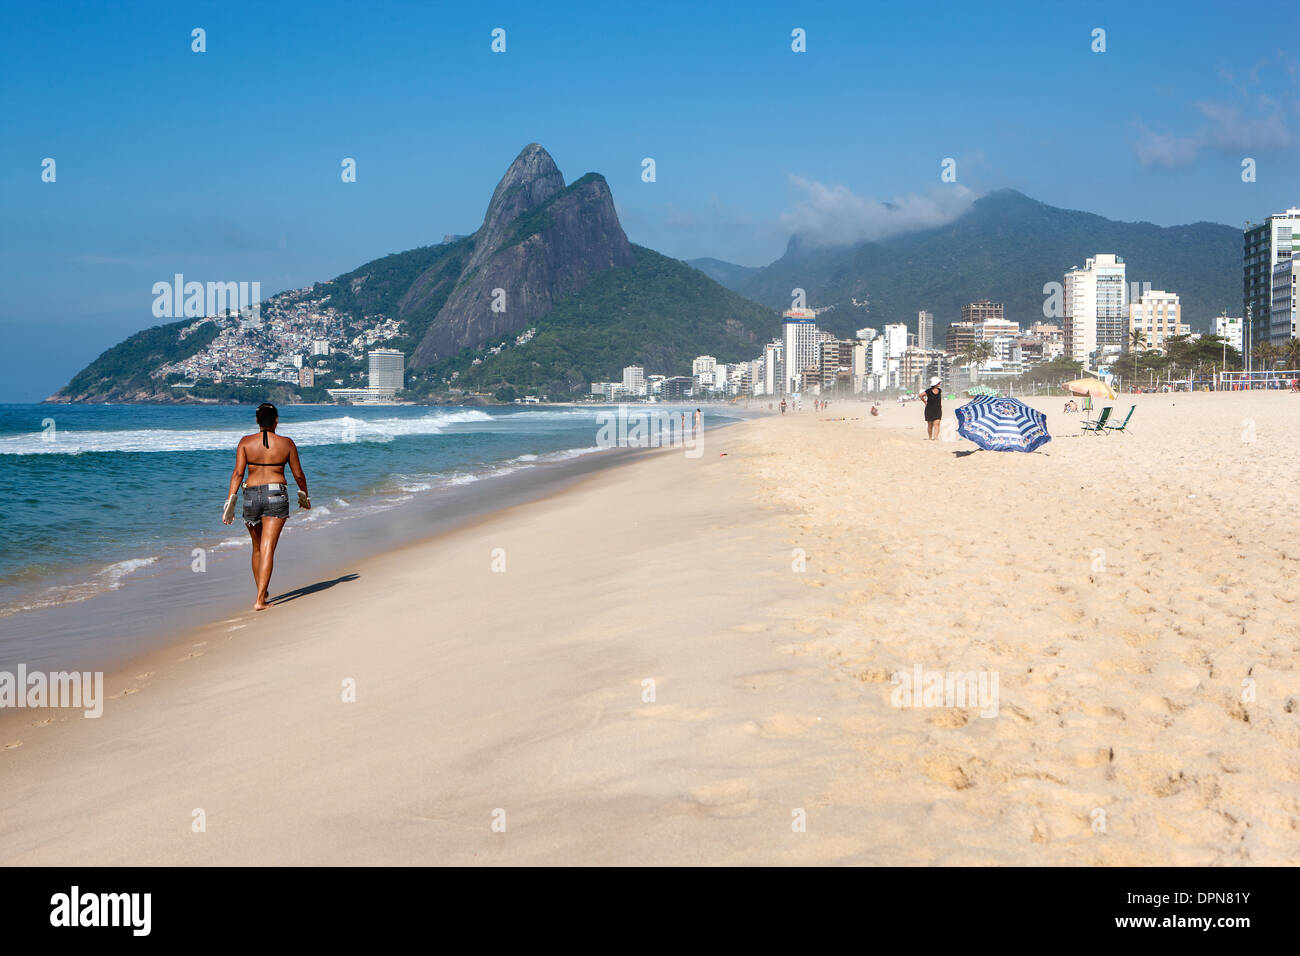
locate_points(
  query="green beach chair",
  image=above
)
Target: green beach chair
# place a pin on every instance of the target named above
(1098, 427)
(1123, 426)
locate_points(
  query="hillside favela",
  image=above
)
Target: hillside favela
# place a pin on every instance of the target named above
(701, 436)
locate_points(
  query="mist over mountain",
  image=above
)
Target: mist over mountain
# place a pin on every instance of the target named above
(1004, 248)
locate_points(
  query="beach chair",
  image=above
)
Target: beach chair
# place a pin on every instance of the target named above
(1122, 426)
(1098, 427)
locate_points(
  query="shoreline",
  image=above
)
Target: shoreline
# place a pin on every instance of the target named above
(136, 608)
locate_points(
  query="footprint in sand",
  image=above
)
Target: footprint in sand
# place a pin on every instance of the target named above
(44, 723)
(724, 798)
(947, 772)
(145, 676)
(236, 627)
(14, 745)
(949, 719)
(781, 725)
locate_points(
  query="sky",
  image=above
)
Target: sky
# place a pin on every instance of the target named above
(225, 165)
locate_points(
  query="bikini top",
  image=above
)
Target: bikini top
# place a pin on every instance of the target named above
(268, 464)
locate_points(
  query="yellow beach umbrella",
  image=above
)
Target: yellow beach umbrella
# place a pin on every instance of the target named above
(1090, 386)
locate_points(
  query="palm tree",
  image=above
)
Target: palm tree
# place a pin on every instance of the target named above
(1266, 353)
(1137, 339)
(967, 356)
(976, 354)
(1292, 353)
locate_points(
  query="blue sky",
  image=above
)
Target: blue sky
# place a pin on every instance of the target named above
(225, 165)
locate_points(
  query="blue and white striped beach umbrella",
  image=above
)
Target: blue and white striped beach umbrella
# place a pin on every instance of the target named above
(1002, 424)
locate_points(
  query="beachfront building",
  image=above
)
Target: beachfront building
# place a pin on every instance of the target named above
(991, 329)
(895, 337)
(1158, 316)
(1096, 307)
(676, 387)
(982, 311)
(387, 372)
(924, 330)
(799, 339)
(1282, 318)
(773, 376)
(917, 366)
(704, 369)
(960, 335)
(1229, 328)
(1264, 247)
(836, 371)
(634, 381)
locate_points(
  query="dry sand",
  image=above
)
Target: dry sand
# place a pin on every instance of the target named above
(1134, 594)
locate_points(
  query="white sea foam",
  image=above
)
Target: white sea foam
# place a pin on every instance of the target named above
(327, 431)
(106, 579)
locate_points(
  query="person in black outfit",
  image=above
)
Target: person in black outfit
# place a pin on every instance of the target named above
(933, 398)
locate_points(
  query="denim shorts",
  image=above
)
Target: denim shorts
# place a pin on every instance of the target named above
(265, 501)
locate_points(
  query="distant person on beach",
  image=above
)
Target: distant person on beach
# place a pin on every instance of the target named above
(266, 494)
(698, 416)
(875, 408)
(933, 398)
(783, 406)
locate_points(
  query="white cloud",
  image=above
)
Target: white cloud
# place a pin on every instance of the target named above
(833, 215)
(1243, 124)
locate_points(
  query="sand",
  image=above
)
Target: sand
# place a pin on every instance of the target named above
(1134, 595)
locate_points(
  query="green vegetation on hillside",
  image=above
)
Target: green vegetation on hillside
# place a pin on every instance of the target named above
(659, 314)
(1005, 248)
(127, 365)
(387, 281)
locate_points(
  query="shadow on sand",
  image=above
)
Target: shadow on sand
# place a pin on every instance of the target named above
(310, 589)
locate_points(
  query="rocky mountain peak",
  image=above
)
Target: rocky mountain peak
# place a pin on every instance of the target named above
(531, 179)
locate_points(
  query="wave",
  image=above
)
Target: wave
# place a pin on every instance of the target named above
(106, 579)
(328, 431)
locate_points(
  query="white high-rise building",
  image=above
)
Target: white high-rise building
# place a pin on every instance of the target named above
(387, 371)
(634, 381)
(1282, 314)
(703, 364)
(320, 346)
(1228, 328)
(861, 360)
(773, 376)
(866, 335)
(1158, 316)
(924, 329)
(1096, 307)
(799, 335)
(896, 340)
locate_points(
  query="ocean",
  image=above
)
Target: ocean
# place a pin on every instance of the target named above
(99, 499)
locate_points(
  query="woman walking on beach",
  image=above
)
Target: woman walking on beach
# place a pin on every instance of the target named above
(933, 398)
(266, 494)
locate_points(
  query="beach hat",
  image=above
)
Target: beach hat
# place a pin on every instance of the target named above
(936, 380)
